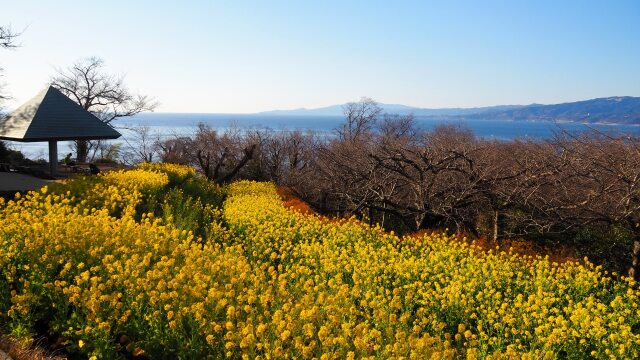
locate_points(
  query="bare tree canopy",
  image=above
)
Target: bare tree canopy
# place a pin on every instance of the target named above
(219, 156)
(7, 41)
(360, 117)
(8, 37)
(102, 94)
(579, 190)
(143, 145)
(582, 190)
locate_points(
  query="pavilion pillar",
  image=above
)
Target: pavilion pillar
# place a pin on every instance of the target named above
(53, 157)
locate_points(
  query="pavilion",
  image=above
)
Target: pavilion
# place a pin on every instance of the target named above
(51, 116)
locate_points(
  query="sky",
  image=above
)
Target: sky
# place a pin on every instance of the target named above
(250, 56)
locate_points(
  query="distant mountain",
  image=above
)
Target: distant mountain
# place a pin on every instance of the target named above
(336, 110)
(614, 110)
(323, 111)
(617, 109)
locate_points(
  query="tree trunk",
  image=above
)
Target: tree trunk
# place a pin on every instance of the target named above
(496, 220)
(82, 150)
(419, 219)
(248, 155)
(384, 214)
(634, 270)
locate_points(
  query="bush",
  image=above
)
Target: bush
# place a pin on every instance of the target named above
(188, 213)
(11, 156)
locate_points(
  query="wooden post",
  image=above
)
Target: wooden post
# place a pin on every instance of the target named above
(53, 157)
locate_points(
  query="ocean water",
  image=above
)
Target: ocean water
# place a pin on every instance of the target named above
(171, 124)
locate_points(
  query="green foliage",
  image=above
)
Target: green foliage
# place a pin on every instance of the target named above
(610, 247)
(10, 156)
(190, 213)
(177, 174)
(207, 191)
(109, 153)
(192, 203)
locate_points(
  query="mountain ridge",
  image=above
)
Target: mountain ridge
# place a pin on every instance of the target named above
(612, 109)
(335, 110)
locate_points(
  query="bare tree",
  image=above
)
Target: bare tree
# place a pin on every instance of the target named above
(604, 186)
(7, 41)
(579, 189)
(8, 37)
(141, 145)
(271, 154)
(175, 150)
(344, 171)
(104, 95)
(360, 117)
(300, 148)
(337, 177)
(281, 155)
(220, 157)
(435, 176)
(509, 175)
(108, 152)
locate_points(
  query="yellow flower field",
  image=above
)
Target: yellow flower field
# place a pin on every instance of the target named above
(349, 290)
(100, 266)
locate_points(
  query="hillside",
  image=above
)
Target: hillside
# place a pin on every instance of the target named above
(618, 110)
(102, 275)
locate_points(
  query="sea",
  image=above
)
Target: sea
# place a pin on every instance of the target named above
(166, 125)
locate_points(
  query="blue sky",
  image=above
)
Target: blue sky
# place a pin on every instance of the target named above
(249, 56)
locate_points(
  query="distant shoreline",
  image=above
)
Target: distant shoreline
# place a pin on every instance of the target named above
(232, 116)
(170, 124)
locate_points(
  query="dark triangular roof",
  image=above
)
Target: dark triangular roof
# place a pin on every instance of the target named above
(51, 115)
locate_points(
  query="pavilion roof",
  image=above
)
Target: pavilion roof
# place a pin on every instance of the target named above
(51, 115)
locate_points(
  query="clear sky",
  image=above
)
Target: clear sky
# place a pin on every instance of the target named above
(249, 56)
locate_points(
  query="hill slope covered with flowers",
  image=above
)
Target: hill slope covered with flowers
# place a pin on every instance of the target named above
(158, 262)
